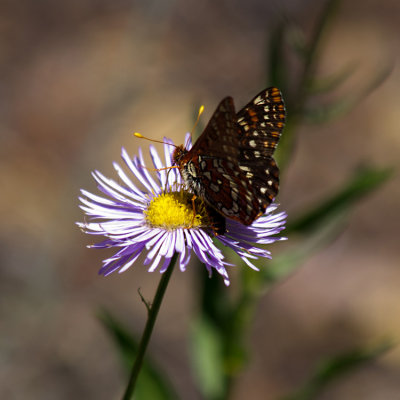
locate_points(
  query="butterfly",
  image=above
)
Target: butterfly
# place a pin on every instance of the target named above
(231, 166)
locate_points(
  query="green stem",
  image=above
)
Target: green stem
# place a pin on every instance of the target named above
(151, 319)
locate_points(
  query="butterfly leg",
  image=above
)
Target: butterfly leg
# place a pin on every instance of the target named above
(216, 220)
(194, 210)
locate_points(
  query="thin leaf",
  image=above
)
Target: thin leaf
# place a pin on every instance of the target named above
(336, 109)
(310, 59)
(330, 112)
(327, 84)
(284, 264)
(210, 337)
(151, 383)
(363, 182)
(336, 367)
(326, 18)
(207, 357)
(215, 304)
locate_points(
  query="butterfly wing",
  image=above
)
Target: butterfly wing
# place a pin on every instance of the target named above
(226, 188)
(219, 138)
(260, 125)
(213, 165)
(231, 166)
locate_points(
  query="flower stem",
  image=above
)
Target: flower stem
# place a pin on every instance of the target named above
(151, 319)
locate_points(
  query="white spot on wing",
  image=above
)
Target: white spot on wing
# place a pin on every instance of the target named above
(214, 187)
(226, 211)
(249, 209)
(234, 196)
(235, 207)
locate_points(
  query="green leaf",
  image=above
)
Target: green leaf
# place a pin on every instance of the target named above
(214, 301)
(207, 357)
(326, 18)
(336, 109)
(217, 349)
(284, 264)
(326, 84)
(151, 383)
(319, 227)
(296, 98)
(364, 181)
(329, 112)
(125, 342)
(336, 367)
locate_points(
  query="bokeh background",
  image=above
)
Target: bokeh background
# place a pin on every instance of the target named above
(76, 79)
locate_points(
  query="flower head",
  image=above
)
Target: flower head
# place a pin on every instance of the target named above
(159, 221)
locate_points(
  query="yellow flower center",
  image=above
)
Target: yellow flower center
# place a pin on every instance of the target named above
(174, 210)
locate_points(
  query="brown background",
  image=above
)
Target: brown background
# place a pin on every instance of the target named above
(76, 79)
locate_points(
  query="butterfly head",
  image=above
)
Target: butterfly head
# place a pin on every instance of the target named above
(178, 155)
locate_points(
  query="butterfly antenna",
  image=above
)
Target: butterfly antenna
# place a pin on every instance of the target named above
(140, 136)
(201, 109)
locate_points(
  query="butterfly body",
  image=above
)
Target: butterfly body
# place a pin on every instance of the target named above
(231, 166)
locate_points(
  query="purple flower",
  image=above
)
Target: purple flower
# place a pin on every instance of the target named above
(158, 221)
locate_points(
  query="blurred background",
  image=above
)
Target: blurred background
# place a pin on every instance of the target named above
(76, 79)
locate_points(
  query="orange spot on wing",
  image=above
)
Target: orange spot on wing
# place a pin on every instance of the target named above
(252, 113)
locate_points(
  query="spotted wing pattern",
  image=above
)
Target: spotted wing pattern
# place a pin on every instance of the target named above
(219, 139)
(231, 166)
(260, 124)
(225, 187)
